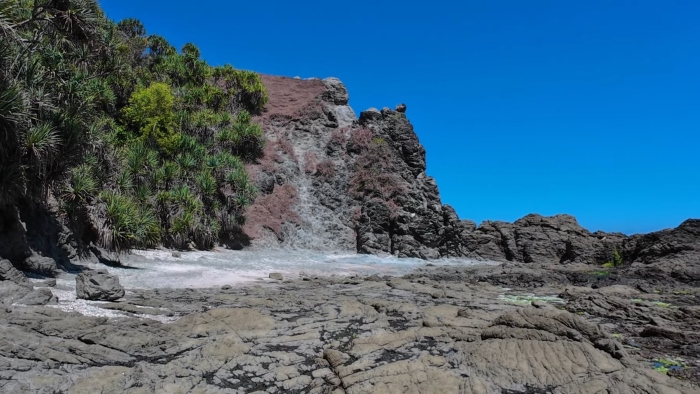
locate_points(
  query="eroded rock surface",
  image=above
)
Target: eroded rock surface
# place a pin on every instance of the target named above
(98, 285)
(439, 330)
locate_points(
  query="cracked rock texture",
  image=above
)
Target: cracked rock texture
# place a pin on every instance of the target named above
(438, 330)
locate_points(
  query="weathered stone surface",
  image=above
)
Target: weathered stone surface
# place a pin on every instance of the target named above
(41, 265)
(443, 330)
(9, 273)
(42, 296)
(10, 292)
(98, 285)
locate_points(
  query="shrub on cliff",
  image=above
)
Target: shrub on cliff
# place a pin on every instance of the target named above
(150, 111)
(246, 87)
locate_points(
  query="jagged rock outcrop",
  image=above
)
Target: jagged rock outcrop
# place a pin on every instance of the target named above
(98, 285)
(539, 239)
(331, 180)
(673, 253)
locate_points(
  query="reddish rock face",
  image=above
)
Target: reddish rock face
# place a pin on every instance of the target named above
(329, 180)
(348, 183)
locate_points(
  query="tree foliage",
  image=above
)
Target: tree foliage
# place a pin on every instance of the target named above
(142, 144)
(150, 111)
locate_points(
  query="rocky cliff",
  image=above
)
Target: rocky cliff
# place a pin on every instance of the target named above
(332, 180)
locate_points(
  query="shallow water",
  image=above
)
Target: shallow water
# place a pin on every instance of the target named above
(159, 269)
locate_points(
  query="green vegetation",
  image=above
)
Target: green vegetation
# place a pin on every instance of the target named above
(138, 144)
(664, 365)
(600, 273)
(616, 260)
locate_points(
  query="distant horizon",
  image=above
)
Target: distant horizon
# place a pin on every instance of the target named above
(589, 110)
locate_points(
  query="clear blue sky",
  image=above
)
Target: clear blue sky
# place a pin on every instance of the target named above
(590, 108)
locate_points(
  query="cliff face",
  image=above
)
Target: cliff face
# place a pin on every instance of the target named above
(332, 180)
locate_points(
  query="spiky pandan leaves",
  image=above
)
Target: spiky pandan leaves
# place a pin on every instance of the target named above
(41, 142)
(121, 216)
(147, 228)
(206, 183)
(12, 183)
(11, 106)
(242, 137)
(81, 185)
(126, 224)
(124, 181)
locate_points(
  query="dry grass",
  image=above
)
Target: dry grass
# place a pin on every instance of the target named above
(272, 211)
(325, 169)
(310, 162)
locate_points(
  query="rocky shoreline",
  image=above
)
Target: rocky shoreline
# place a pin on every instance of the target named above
(511, 328)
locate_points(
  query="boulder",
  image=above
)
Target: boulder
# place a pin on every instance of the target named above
(105, 257)
(41, 265)
(9, 273)
(98, 285)
(335, 91)
(42, 296)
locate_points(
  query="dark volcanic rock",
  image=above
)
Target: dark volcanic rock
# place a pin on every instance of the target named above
(42, 296)
(41, 265)
(671, 253)
(9, 273)
(324, 335)
(539, 239)
(98, 285)
(332, 181)
(10, 292)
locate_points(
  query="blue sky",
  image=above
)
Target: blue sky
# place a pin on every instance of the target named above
(588, 108)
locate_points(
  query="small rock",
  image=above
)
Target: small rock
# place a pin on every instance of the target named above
(540, 304)
(335, 357)
(105, 257)
(51, 282)
(42, 296)
(98, 285)
(664, 332)
(177, 255)
(226, 287)
(276, 276)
